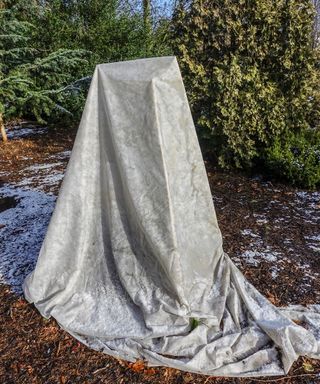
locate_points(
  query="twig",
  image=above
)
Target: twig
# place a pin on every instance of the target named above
(286, 378)
(100, 370)
(58, 349)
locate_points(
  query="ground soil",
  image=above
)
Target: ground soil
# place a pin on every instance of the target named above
(36, 350)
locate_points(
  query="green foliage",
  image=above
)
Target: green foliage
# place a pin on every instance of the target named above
(94, 25)
(33, 83)
(112, 30)
(44, 49)
(296, 158)
(194, 323)
(250, 72)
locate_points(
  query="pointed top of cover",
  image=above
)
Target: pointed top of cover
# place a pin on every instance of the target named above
(163, 68)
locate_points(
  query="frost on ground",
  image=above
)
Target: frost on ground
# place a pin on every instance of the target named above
(303, 208)
(313, 242)
(43, 176)
(18, 132)
(25, 210)
(22, 230)
(23, 226)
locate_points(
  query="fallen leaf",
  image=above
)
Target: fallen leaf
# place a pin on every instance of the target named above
(308, 367)
(138, 366)
(29, 369)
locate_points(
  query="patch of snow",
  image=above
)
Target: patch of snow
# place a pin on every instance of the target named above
(248, 232)
(53, 179)
(307, 206)
(260, 219)
(274, 272)
(41, 182)
(18, 132)
(24, 226)
(273, 202)
(37, 167)
(258, 252)
(24, 229)
(255, 257)
(314, 238)
(236, 260)
(61, 155)
(280, 220)
(42, 177)
(313, 242)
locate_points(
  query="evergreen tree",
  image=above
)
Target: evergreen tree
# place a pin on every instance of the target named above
(110, 32)
(113, 30)
(250, 72)
(147, 23)
(316, 25)
(30, 83)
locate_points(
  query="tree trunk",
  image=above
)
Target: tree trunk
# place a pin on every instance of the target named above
(2, 130)
(316, 24)
(147, 25)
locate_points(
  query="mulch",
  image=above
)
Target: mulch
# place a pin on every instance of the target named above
(37, 350)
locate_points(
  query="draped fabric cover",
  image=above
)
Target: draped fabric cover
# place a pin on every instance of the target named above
(132, 263)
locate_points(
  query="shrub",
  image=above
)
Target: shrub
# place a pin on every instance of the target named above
(250, 72)
(296, 158)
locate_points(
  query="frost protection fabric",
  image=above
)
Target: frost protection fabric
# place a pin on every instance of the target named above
(132, 263)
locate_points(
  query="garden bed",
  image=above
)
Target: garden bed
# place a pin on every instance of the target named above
(270, 231)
